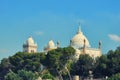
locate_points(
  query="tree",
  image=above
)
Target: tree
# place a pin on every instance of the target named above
(53, 59)
(21, 75)
(83, 66)
(42, 57)
(48, 76)
(12, 76)
(115, 77)
(5, 66)
(101, 69)
(27, 75)
(27, 61)
(67, 54)
(22, 60)
(59, 59)
(114, 61)
(108, 64)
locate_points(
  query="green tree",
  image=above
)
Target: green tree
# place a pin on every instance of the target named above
(12, 76)
(5, 66)
(48, 76)
(108, 64)
(67, 54)
(21, 75)
(115, 77)
(53, 59)
(22, 60)
(101, 70)
(59, 59)
(114, 62)
(26, 61)
(83, 66)
(27, 75)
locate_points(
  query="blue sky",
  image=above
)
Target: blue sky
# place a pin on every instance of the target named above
(58, 20)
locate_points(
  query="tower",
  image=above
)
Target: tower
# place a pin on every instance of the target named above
(100, 44)
(84, 47)
(30, 46)
(58, 44)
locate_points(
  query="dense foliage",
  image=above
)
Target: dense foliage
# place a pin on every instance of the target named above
(33, 62)
(83, 66)
(20, 75)
(22, 61)
(108, 64)
(115, 77)
(59, 62)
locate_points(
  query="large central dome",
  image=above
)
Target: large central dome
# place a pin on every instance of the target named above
(78, 40)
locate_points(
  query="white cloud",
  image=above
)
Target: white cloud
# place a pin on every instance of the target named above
(114, 37)
(39, 33)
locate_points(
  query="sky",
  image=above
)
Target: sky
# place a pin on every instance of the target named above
(58, 20)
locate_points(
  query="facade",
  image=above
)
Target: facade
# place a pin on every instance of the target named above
(30, 46)
(79, 42)
(82, 46)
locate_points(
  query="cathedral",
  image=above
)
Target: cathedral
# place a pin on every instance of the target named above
(79, 42)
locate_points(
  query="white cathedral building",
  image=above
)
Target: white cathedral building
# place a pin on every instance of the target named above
(79, 42)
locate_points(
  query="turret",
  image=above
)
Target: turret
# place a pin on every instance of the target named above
(71, 43)
(100, 45)
(84, 47)
(58, 44)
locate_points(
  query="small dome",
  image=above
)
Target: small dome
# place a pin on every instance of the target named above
(78, 40)
(30, 40)
(51, 44)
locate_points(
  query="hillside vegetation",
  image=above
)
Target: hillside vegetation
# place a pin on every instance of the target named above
(59, 63)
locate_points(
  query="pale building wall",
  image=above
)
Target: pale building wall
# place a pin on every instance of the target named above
(90, 51)
(93, 52)
(32, 49)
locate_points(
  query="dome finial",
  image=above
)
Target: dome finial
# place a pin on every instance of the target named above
(79, 28)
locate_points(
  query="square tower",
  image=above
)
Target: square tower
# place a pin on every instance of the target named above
(30, 46)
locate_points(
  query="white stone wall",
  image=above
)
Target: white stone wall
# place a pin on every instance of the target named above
(32, 49)
(93, 52)
(90, 51)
